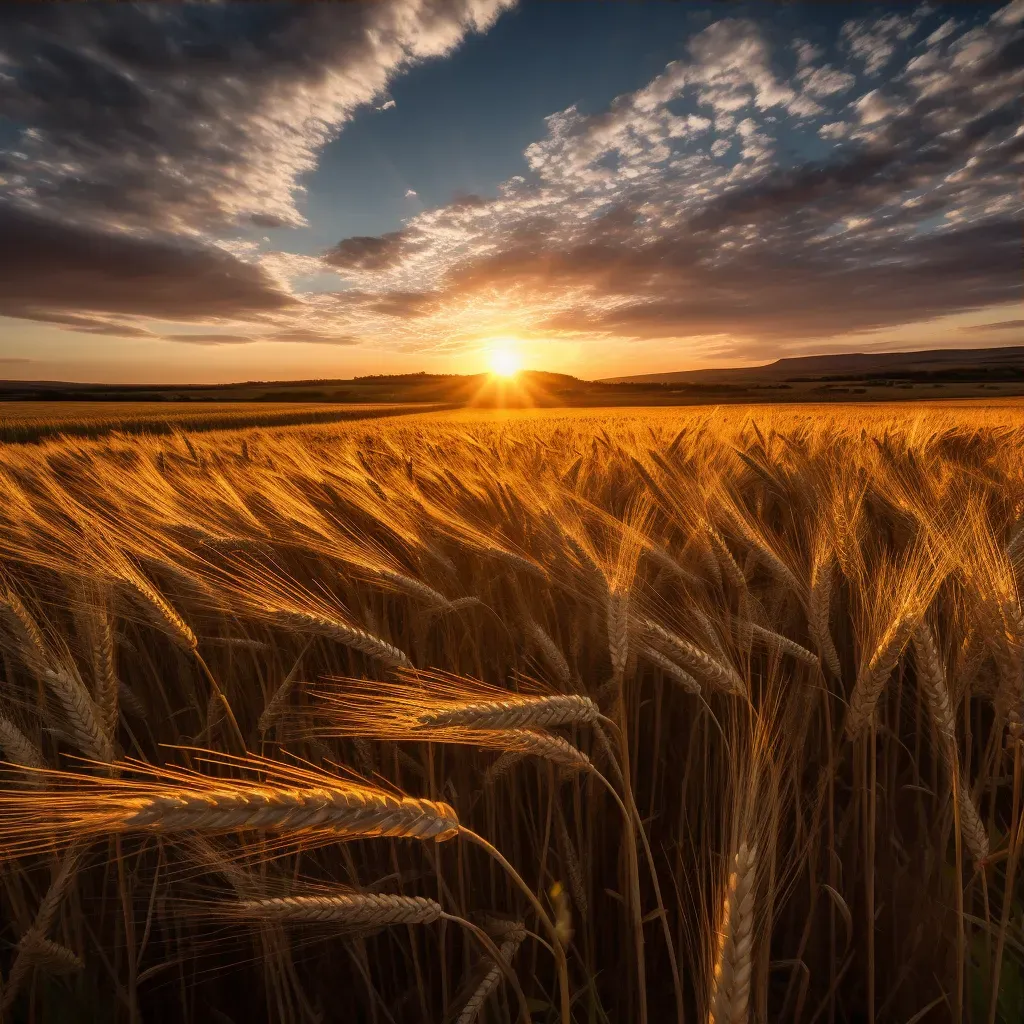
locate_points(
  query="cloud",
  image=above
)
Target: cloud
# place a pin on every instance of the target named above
(192, 118)
(686, 208)
(209, 339)
(47, 267)
(874, 41)
(1002, 325)
(310, 337)
(369, 252)
(651, 220)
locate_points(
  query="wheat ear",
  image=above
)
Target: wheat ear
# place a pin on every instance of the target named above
(551, 748)
(18, 748)
(81, 713)
(719, 675)
(36, 933)
(186, 801)
(51, 956)
(670, 668)
(516, 712)
(23, 626)
(513, 939)
(276, 703)
(353, 910)
(730, 987)
(818, 616)
(572, 864)
(350, 636)
(931, 676)
(107, 689)
(618, 630)
(161, 612)
(551, 651)
(778, 642)
(874, 674)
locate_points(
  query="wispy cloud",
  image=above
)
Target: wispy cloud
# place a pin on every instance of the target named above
(1002, 325)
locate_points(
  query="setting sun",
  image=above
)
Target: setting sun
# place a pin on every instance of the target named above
(504, 362)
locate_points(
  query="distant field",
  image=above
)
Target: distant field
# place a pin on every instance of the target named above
(32, 421)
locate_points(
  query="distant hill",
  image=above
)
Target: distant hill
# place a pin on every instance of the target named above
(978, 364)
(847, 377)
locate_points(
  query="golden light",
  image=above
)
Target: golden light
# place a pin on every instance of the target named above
(504, 362)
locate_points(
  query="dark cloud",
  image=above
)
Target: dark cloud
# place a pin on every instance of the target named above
(47, 268)
(1003, 325)
(369, 252)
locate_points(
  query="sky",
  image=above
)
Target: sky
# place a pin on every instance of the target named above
(233, 191)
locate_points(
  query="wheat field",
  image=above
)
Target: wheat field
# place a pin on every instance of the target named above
(708, 715)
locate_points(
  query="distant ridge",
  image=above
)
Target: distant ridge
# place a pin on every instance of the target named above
(850, 366)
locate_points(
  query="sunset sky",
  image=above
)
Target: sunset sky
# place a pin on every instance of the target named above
(234, 192)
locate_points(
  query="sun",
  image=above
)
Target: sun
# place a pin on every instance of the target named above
(504, 362)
